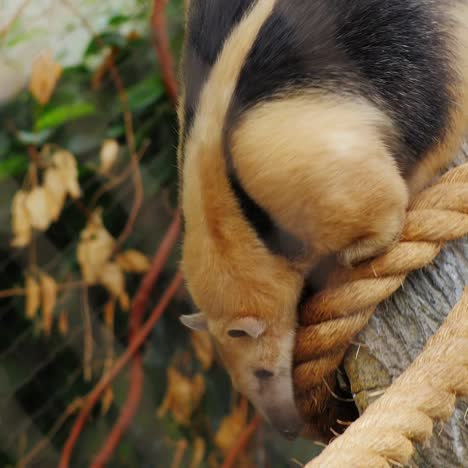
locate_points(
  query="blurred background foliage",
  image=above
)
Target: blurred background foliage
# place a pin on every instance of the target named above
(188, 415)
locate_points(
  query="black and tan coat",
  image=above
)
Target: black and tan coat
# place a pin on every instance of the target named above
(305, 128)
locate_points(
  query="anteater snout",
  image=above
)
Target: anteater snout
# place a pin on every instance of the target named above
(286, 421)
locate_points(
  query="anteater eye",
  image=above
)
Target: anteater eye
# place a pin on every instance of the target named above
(237, 333)
(263, 374)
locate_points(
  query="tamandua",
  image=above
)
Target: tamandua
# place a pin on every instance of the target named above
(306, 126)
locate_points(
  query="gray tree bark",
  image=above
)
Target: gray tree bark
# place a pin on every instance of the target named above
(396, 335)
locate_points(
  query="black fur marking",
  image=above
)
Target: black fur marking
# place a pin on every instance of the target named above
(401, 50)
(209, 24)
(394, 52)
(276, 239)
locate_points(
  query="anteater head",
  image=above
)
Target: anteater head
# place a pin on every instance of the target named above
(250, 311)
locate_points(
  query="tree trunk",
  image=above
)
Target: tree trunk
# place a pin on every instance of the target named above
(397, 333)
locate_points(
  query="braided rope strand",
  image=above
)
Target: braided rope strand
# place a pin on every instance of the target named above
(331, 318)
(425, 392)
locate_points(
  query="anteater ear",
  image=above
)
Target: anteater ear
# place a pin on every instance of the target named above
(195, 321)
(250, 326)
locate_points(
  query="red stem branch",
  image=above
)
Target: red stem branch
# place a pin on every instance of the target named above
(242, 443)
(163, 50)
(118, 366)
(126, 413)
(130, 407)
(144, 291)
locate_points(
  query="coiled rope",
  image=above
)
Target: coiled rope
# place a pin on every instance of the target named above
(425, 392)
(331, 318)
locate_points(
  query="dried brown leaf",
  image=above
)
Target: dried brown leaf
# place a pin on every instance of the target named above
(94, 249)
(108, 155)
(63, 323)
(49, 300)
(56, 191)
(38, 207)
(45, 74)
(133, 261)
(183, 395)
(203, 347)
(179, 453)
(109, 313)
(33, 297)
(213, 460)
(124, 301)
(199, 448)
(21, 224)
(107, 400)
(65, 162)
(232, 427)
(112, 278)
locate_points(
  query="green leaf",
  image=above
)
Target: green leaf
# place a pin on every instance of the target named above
(59, 115)
(5, 144)
(34, 138)
(111, 39)
(14, 165)
(116, 131)
(23, 36)
(117, 20)
(144, 93)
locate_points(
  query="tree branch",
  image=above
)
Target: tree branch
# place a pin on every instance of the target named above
(244, 439)
(118, 366)
(163, 50)
(130, 407)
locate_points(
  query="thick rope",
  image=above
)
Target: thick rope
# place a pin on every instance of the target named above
(331, 318)
(425, 392)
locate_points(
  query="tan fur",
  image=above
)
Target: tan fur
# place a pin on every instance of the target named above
(181, 103)
(204, 163)
(440, 156)
(181, 119)
(226, 284)
(343, 188)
